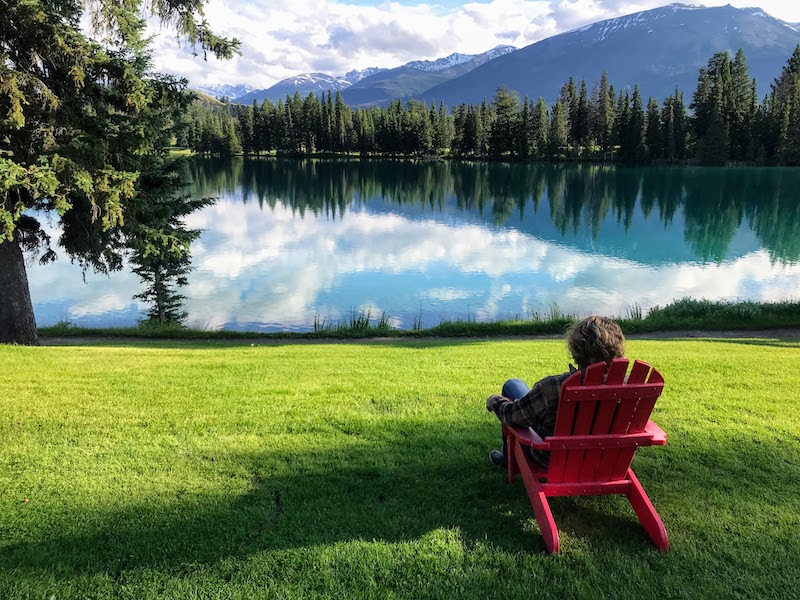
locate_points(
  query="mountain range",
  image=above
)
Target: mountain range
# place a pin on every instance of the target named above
(222, 90)
(657, 49)
(376, 85)
(307, 83)
(416, 77)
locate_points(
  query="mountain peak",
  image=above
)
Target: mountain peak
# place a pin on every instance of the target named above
(355, 75)
(657, 49)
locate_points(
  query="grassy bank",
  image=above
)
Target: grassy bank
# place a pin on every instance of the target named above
(134, 470)
(680, 315)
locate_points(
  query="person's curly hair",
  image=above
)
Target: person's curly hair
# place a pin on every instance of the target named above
(595, 339)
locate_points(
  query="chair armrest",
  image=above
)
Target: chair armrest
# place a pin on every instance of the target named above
(659, 435)
(527, 437)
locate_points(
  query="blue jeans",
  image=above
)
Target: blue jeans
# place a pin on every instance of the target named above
(513, 389)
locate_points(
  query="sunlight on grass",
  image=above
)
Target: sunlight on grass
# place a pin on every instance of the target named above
(359, 470)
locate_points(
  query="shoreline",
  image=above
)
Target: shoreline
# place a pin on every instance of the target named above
(784, 333)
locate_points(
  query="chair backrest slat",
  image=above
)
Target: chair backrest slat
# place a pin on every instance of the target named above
(564, 418)
(638, 422)
(605, 402)
(584, 418)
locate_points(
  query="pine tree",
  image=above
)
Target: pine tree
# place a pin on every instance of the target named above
(524, 131)
(503, 134)
(557, 133)
(637, 127)
(539, 129)
(580, 123)
(713, 107)
(655, 145)
(444, 129)
(80, 125)
(605, 119)
(569, 107)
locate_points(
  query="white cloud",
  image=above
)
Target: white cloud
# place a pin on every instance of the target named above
(281, 38)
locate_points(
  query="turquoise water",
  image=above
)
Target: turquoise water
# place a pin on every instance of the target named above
(290, 241)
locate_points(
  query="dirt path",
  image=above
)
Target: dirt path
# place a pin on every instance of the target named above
(784, 333)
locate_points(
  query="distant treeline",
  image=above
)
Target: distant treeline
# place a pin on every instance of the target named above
(712, 205)
(727, 123)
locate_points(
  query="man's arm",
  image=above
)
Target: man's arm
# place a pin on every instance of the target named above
(532, 410)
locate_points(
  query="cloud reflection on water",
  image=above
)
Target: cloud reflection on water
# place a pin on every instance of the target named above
(269, 269)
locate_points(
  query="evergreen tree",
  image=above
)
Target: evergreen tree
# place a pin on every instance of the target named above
(742, 112)
(444, 129)
(634, 150)
(79, 123)
(621, 118)
(502, 138)
(310, 120)
(580, 124)
(604, 106)
(457, 145)
(655, 145)
(782, 109)
(713, 107)
(557, 134)
(539, 129)
(569, 107)
(245, 121)
(232, 146)
(524, 131)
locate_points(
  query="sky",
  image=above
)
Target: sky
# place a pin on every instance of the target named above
(282, 38)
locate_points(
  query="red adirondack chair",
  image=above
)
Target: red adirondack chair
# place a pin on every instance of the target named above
(599, 425)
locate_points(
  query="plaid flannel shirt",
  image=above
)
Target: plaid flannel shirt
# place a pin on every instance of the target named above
(537, 408)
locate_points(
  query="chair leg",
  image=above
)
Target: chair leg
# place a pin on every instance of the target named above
(647, 514)
(511, 458)
(541, 508)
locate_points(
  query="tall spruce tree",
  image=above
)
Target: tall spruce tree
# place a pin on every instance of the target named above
(503, 134)
(783, 110)
(75, 129)
(557, 134)
(539, 129)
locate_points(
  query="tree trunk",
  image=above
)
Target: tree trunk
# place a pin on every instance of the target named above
(17, 323)
(160, 301)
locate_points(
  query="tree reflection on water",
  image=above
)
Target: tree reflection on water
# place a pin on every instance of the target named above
(714, 202)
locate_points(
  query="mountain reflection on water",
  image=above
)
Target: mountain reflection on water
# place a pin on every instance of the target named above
(292, 240)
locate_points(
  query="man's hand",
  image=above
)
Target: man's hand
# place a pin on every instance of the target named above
(492, 402)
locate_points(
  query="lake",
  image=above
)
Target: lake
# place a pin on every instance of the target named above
(292, 241)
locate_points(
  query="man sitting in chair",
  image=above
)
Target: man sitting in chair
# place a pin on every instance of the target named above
(592, 340)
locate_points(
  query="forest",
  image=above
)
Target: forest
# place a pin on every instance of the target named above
(724, 123)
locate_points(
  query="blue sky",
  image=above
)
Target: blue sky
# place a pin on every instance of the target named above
(282, 38)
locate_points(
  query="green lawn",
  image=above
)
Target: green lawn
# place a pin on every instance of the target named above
(174, 470)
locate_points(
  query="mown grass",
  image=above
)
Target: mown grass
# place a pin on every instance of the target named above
(179, 470)
(703, 315)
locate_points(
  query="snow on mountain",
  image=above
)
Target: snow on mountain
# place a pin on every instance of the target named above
(455, 59)
(304, 84)
(499, 51)
(223, 90)
(355, 76)
(649, 19)
(320, 80)
(431, 66)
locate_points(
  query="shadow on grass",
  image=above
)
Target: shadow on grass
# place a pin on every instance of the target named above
(394, 489)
